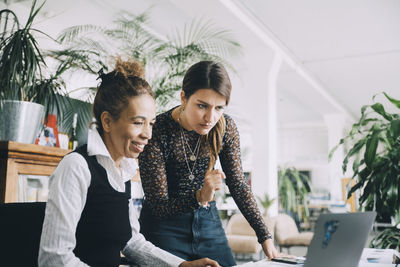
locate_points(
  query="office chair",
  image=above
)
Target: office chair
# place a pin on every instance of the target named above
(20, 231)
(287, 234)
(242, 238)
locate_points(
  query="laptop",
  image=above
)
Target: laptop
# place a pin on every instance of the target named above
(339, 239)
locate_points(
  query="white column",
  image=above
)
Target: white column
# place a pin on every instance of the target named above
(265, 139)
(335, 124)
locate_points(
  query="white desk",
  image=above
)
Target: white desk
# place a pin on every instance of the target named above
(265, 263)
(383, 257)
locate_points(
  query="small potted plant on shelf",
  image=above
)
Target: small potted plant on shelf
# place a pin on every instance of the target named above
(375, 156)
(266, 202)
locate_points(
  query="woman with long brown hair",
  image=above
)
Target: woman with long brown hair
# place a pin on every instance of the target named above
(178, 175)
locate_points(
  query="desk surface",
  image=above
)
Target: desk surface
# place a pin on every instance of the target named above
(266, 263)
(383, 256)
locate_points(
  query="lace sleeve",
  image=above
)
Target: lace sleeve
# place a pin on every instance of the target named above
(241, 192)
(152, 166)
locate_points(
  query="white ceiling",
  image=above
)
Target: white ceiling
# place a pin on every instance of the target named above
(350, 48)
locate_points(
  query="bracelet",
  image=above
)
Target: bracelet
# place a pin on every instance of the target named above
(199, 198)
(268, 236)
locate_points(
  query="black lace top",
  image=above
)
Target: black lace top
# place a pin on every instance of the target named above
(165, 175)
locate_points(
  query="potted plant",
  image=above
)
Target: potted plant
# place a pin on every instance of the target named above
(25, 80)
(266, 202)
(375, 156)
(22, 83)
(293, 188)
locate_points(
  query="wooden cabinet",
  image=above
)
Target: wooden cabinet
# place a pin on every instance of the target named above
(17, 159)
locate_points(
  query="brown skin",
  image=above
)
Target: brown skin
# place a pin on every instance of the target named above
(204, 262)
(270, 250)
(127, 136)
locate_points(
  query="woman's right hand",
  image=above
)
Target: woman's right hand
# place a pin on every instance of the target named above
(204, 262)
(212, 183)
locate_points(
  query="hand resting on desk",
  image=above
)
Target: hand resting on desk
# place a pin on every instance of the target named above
(204, 262)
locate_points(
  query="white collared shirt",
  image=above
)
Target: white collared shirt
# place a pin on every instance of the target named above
(67, 197)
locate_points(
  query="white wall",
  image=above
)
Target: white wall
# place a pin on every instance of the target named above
(306, 148)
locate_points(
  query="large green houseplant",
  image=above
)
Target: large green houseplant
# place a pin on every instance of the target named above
(25, 78)
(22, 62)
(293, 189)
(375, 157)
(22, 79)
(165, 59)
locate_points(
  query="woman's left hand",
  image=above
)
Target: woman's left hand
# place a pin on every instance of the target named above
(269, 249)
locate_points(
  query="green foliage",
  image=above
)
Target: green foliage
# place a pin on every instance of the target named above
(24, 74)
(388, 238)
(376, 165)
(266, 202)
(165, 59)
(70, 60)
(376, 156)
(20, 57)
(294, 187)
(22, 66)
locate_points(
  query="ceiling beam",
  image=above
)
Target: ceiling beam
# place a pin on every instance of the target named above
(243, 13)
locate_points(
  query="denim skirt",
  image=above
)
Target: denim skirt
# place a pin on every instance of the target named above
(190, 236)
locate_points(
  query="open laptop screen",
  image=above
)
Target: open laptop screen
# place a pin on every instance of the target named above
(339, 239)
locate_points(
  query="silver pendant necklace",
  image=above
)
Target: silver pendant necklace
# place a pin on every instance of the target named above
(191, 170)
(193, 154)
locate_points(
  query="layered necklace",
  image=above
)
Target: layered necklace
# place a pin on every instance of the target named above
(193, 155)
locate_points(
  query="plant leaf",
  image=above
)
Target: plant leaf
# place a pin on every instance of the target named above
(394, 101)
(395, 128)
(378, 108)
(371, 146)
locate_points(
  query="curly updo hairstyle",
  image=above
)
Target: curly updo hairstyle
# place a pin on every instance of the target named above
(117, 87)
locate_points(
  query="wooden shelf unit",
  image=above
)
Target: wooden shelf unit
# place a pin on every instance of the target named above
(17, 158)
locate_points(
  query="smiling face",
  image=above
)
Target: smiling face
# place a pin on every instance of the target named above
(127, 136)
(202, 110)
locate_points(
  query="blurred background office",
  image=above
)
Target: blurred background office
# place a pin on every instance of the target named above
(301, 72)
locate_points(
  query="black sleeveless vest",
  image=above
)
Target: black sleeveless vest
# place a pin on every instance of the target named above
(104, 228)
